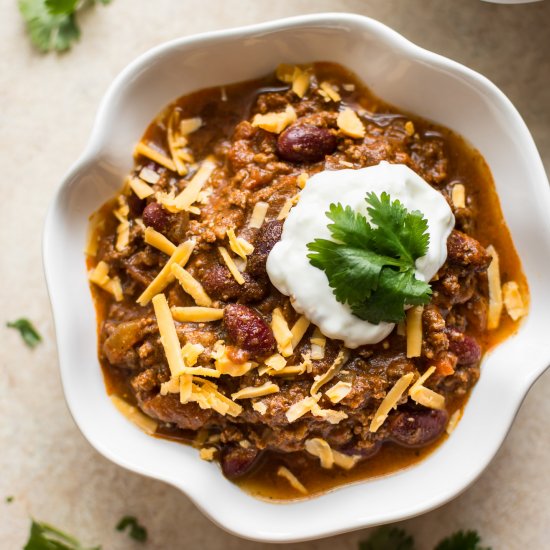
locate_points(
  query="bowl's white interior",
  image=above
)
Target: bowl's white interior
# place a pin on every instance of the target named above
(400, 73)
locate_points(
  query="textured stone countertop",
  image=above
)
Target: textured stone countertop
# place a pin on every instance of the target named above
(47, 107)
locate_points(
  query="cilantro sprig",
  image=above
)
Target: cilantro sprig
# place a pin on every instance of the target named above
(394, 538)
(135, 530)
(45, 537)
(30, 335)
(371, 265)
(52, 24)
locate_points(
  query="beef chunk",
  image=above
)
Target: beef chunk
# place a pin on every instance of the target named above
(268, 235)
(464, 251)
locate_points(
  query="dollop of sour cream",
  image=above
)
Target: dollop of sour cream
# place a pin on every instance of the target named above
(288, 266)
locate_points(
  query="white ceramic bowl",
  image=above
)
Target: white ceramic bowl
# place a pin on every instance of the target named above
(399, 72)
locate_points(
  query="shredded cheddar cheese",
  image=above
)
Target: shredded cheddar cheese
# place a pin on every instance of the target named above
(350, 123)
(275, 122)
(332, 371)
(390, 401)
(318, 343)
(190, 353)
(190, 194)
(229, 262)
(298, 330)
(495, 290)
(321, 449)
(240, 246)
(282, 333)
(225, 365)
(154, 155)
(168, 335)
(149, 176)
(275, 361)
(292, 479)
(330, 92)
(258, 215)
(255, 391)
(123, 228)
(196, 314)
(191, 286)
(140, 188)
(301, 180)
(458, 195)
(513, 301)
(414, 331)
(100, 276)
(300, 408)
(338, 392)
(260, 407)
(159, 241)
(428, 398)
(180, 256)
(207, 453)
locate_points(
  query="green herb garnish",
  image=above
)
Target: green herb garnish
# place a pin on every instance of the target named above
(372, 268)
(393, 538)
(461, 540)
(136, 531)
(388, 538)
(52, 24)
(46, 537)
(27, 331)
(9, 499)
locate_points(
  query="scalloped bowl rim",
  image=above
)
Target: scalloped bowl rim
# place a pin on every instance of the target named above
(392, 498)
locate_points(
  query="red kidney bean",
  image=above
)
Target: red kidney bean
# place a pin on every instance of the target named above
(221, 285)
(237, 461)
(155, 216)
(305, 143)
(465, 347)
(247, 329)
(268, 236)
(362, 449)
(417, 428)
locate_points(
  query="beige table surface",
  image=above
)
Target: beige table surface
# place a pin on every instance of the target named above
(47, 105)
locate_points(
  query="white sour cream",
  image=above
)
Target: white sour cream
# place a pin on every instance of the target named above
(288, 266)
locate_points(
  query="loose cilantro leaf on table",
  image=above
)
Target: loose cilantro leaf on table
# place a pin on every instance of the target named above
(45, 537)
(52, 24)
(27, 331)
(136, 531)
(9, 499)
(388, 538)
(461, 540)
(372, 267)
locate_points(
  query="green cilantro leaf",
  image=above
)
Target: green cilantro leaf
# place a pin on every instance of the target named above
(136, 531)
(461, 540)
(52, 24)
(61, 6)
(352, 272)
(394, 289)
(27, 331)
(372, 268)
(388, 538)
(45, 537)
(9, 499)
(399, 232)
